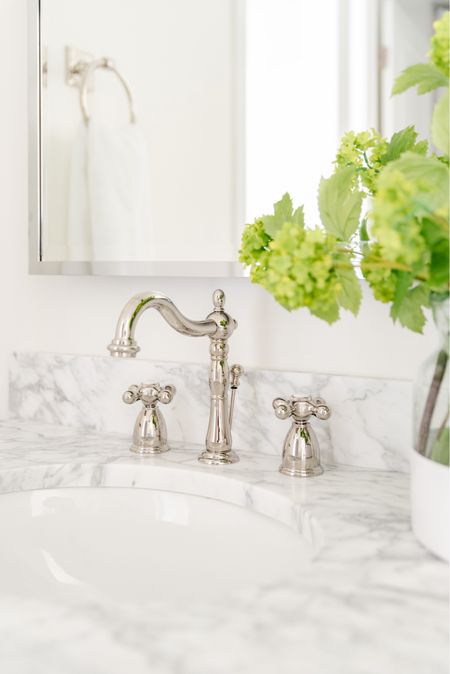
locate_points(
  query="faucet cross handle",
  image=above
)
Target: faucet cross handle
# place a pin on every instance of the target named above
(301, 408)
(150, 432)
(301, 454)
(149, 394)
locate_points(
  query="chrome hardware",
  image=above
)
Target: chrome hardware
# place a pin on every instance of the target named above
(236, 372)
(150, 433)
(106, 64)
(76, 63)
(218, 326)
(80, 66)
(301, 455)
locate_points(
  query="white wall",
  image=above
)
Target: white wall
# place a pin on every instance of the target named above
(70, 314)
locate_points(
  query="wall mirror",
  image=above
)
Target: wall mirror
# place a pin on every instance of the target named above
(159, 127)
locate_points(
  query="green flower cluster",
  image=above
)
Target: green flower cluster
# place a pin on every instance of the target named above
(410, 218)
(395, 227)
(369, 153)
(440, 45)
(404, 250)
(363, 151)
(255, 249)
(381, 278)
(297, 266)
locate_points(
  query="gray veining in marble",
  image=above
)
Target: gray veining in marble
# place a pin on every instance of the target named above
(369, 427)
(371, 600)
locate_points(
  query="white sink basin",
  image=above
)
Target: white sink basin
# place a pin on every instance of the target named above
(137, 545)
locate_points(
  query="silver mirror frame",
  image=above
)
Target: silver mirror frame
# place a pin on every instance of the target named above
(200, 269)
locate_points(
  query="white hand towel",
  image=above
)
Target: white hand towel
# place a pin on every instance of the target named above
(109, 216)
(79, 239)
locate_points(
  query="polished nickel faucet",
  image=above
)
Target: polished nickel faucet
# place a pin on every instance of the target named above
(218, 326)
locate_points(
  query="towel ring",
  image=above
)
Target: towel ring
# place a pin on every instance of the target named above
(107, 64)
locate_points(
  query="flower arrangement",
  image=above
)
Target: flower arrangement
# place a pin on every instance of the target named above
(400, 240)
(384, 210)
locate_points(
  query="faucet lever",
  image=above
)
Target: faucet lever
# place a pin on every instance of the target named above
(301, 454)
(236, 371)
(150, 432)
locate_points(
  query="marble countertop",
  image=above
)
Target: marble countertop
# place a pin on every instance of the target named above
(370, 601)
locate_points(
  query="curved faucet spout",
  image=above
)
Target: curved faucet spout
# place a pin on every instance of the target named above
(124, 344)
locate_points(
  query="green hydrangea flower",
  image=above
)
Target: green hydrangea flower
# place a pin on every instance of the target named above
(440, 45)
(396, 227)
(381, 279)
(301, 271)
(410, 215)
(255, 243)
(363, 151)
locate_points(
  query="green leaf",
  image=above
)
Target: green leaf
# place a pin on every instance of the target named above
(423, 75)
(414, 166)
(429, 174)
(404, 280)
(439, 268)
(340, 203)
(437, 239)
(299, 216)
(363, 231)
(282, 213)
(350, 295)
(327, 312)
(410, 313)
(433, 232)
(440, 447)
(401, 142)
(439, 124)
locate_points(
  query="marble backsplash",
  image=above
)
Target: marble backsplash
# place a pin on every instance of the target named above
(370, 424)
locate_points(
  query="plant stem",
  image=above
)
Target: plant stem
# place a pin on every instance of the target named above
(443, 425)
(395, 266)
(366, 160)
(430, 404)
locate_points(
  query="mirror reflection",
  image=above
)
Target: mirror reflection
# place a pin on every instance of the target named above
(167, 124)
(142, 170)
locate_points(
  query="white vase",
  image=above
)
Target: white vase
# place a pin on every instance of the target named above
(430, 504)
(430, 473)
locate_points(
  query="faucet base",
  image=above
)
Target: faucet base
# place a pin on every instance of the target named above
(293, 471)
(218, 458)
(143, 450)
